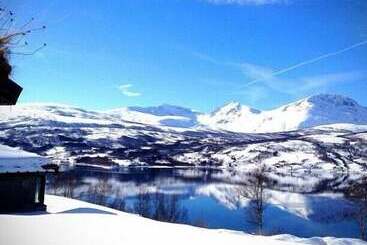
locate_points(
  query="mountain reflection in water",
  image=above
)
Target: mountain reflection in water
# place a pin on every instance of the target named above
(205, 198)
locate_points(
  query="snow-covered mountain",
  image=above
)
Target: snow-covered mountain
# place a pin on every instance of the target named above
(312, 111)
(139, 136)
(309, 112)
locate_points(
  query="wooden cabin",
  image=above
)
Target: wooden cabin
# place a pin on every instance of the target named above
(22, 176)
(22, 192)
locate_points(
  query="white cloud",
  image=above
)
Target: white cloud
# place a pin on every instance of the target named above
(298, 85)
(125, 90)
(310, 61)
(246, 2)
(268, 76)
(264, 80)
(270, 87)
(265, 83)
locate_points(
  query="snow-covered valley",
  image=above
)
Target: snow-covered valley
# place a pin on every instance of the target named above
(311, 155)
(322, 156)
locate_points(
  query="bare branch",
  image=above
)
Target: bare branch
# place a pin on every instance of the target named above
(254, 190)
(12, 40)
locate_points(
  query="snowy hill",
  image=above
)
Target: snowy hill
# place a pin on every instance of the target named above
(52, 113)
(164, 115)
(330, 109)
(309, 112)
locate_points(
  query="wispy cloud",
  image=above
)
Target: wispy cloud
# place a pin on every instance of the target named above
(265, 80)
(125, 90)
(298, 85)
(207, 58)
(270, 77)
(246, 2)
(307, 62)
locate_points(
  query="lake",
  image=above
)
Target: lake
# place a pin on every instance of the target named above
(207, 198)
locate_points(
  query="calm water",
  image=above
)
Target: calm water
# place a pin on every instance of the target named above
(206, 198)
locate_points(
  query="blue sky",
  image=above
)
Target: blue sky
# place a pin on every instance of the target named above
(194, 53)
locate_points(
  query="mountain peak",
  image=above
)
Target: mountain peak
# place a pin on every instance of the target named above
(332, 99)
(234, 107)
(229, 107)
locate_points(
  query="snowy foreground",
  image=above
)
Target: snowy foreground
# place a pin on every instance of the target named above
(75, 222)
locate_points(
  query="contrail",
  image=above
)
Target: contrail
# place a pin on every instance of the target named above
(314, 60)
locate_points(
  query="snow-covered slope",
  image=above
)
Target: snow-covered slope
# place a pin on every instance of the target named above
(309, 112)
(164, 115)
(51, 112)
(7, 152)
(330, 109)
(75, 222)
(16, 160)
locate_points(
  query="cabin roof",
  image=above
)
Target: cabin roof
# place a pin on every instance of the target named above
(9, 92)
(13, 160)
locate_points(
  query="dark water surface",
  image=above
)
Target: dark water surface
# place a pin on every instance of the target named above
(205, 198)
